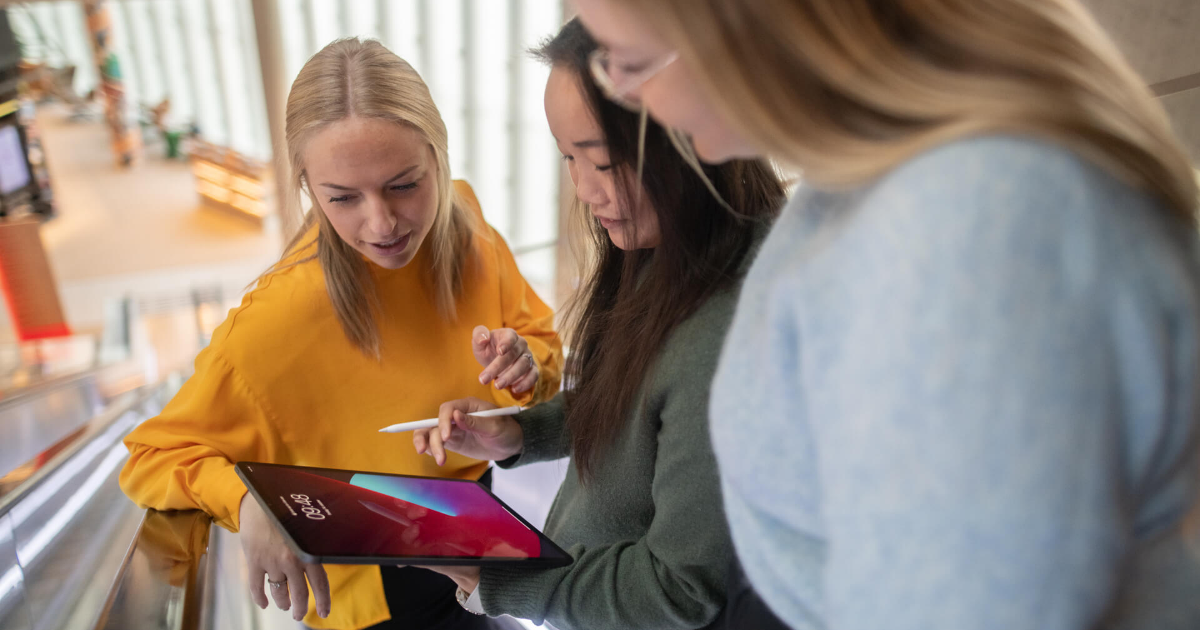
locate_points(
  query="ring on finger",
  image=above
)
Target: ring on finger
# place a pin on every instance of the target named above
(280, 584)
(532, 363)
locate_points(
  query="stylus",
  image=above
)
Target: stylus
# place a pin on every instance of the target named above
(433, 422)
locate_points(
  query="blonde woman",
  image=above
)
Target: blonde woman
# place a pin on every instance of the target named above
(386, 304)
(961, 387)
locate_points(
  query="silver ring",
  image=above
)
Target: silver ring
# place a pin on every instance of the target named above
(532, 363)
(280, 584)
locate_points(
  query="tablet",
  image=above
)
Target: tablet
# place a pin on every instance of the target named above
(331, 516)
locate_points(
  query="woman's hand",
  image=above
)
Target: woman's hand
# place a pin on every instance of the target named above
(481, 438)
(267, 555)
(505, 358)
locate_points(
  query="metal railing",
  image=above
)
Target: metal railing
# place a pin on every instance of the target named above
(165, 580)
(66, 529)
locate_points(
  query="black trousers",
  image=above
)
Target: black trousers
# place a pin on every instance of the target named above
(420, 599)
(745, 610)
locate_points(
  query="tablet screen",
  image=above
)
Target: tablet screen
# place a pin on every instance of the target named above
(353, 516)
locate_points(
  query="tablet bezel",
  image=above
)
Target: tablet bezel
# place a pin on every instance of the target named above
(245, 474)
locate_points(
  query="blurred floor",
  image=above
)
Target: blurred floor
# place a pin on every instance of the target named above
(139, 232)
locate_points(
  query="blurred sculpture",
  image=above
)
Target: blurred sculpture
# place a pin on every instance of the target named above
(126, 139)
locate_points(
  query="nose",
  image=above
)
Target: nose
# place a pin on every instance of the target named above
(380, 218)
(589, 187)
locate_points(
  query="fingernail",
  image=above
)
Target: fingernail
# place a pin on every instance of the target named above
(483, 379)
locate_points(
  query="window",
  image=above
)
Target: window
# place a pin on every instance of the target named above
(202, 54)
(472, 54)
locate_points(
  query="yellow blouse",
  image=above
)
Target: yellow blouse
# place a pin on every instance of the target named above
(281, 383)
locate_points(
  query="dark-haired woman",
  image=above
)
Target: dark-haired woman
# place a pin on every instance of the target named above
(640, 509)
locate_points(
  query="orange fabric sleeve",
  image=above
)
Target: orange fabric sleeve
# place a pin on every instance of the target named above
(183, 458)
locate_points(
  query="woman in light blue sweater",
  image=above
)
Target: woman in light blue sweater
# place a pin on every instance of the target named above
(962, 387)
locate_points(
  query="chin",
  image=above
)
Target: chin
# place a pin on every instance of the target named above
(619, 240)
(624, 245)
(716, 150)
(392, 262)
(711, 152)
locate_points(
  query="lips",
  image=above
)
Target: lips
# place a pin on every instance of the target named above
(393, 247)
(609, 224)
(389, 243)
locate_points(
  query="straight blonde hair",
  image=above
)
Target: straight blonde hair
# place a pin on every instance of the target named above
(845, 90)
(362, 78)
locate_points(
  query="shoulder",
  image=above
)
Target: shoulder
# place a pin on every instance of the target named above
(1008, 205)
(995, 161)
(694, 346)
(485, 239)
(1010, 186)
(484, 236)
(465, 198)
(275, 315)
(981, 229)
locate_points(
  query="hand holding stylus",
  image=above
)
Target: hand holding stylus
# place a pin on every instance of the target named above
(481, 437)
(433, 422)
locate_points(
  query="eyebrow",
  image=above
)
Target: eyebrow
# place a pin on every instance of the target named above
(588, 144)
(398, 176)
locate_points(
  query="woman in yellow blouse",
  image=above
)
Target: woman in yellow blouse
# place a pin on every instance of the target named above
(385, 305)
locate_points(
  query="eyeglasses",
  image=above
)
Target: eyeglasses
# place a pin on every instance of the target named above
(618, 84)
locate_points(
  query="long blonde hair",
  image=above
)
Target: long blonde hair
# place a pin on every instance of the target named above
(845, 90)
(362, 78)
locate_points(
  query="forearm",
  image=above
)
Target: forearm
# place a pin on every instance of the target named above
(179, 480)
(545, 434)
(624, 585)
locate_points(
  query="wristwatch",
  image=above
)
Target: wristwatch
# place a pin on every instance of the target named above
(464, 598)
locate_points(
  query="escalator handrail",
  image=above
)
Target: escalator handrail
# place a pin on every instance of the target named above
(166, 575)
(22, 395)
(92, 429)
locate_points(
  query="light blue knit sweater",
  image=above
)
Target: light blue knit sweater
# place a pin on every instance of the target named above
(965, 398)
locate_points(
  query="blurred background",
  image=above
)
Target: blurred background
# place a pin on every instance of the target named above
(194, 210)
(138, 201)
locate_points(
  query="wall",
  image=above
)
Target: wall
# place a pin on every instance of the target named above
(1160, 38)
(7, 334)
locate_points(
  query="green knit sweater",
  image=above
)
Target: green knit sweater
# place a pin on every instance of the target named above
(648, 533)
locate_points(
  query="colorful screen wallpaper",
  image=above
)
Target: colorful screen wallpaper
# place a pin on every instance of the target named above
(341, 513)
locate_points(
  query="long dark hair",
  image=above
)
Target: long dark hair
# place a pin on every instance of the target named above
(630, 301)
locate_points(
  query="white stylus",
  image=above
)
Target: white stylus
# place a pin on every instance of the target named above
(433, 422)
